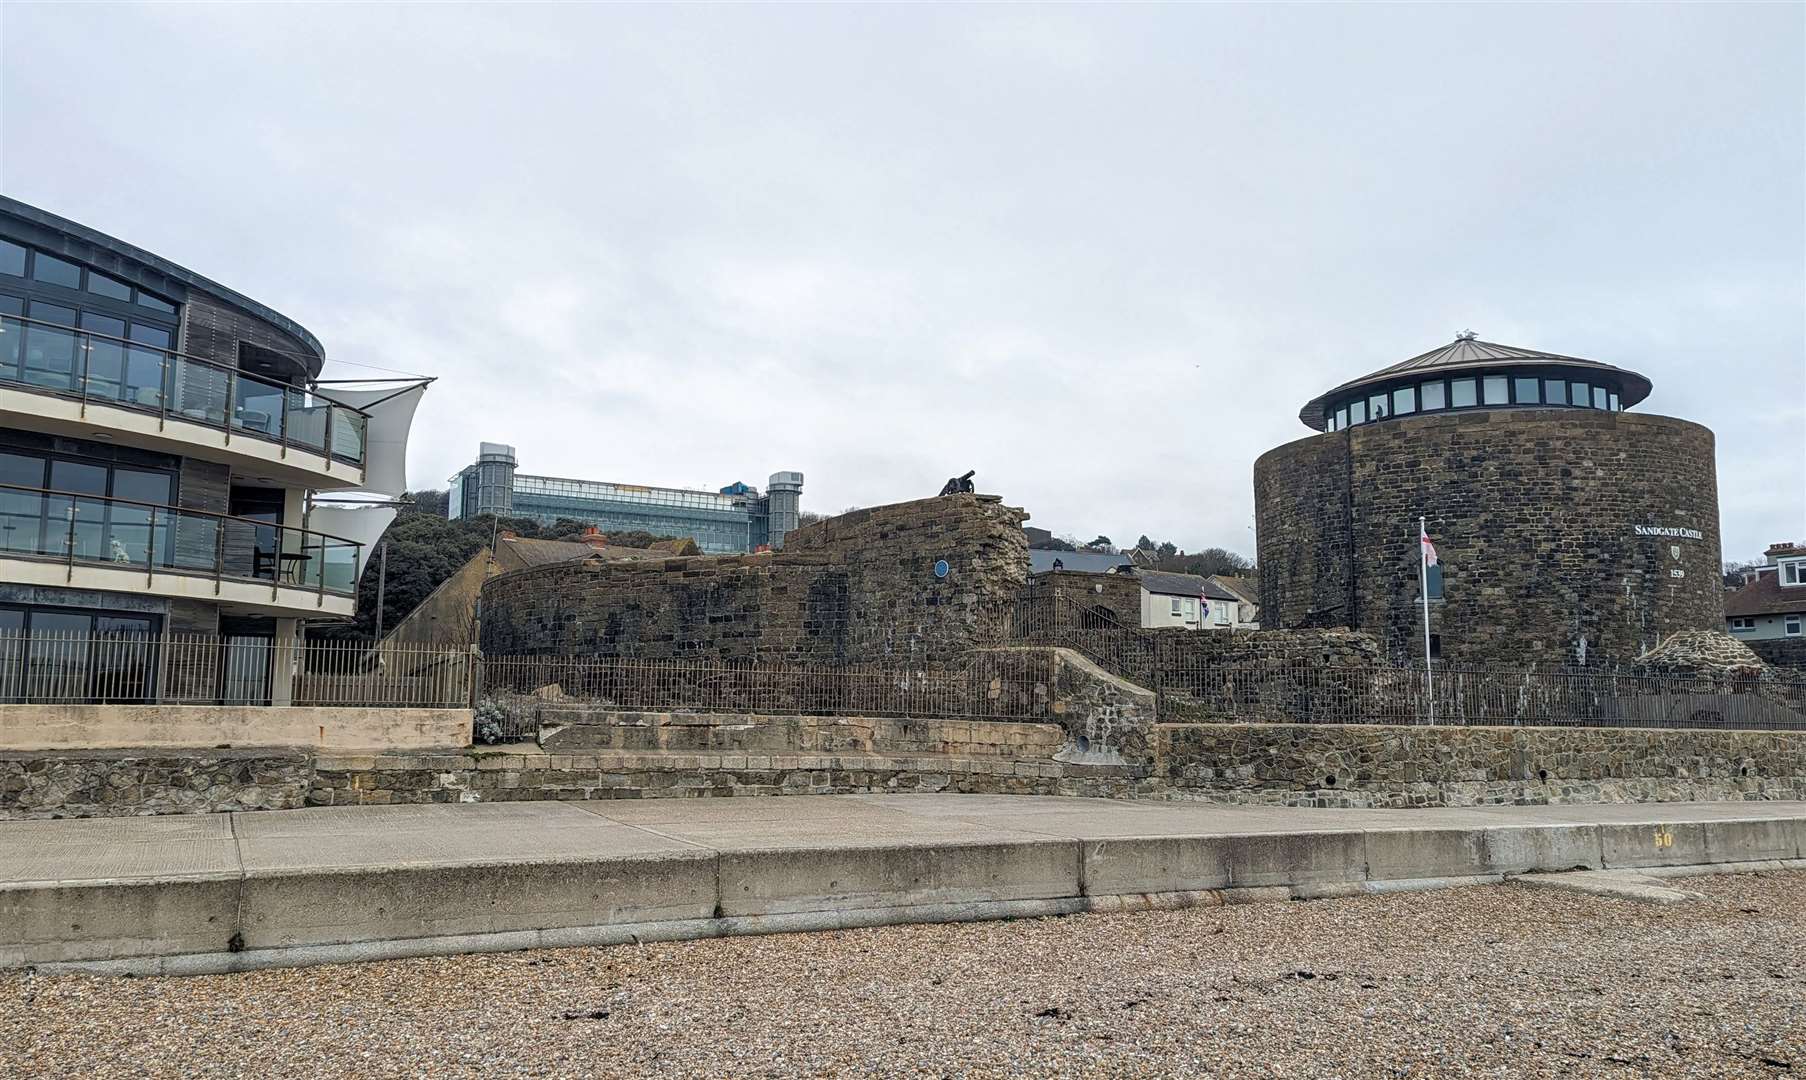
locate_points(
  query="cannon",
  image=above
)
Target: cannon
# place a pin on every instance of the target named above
(959, 484)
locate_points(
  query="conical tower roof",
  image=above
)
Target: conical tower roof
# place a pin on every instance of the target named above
(1468, 354)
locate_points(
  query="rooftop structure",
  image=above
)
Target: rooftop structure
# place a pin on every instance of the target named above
(1469, 374)
(737, 518)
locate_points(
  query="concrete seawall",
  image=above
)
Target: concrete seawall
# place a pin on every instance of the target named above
(210, 893)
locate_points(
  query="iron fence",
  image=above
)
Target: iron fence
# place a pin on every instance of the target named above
(1193, 679)
(41, 667)
(1204, 676)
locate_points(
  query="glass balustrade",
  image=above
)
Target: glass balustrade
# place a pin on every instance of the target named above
(123, 533)
(127, 373)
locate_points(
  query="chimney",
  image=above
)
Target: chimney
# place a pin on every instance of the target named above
(1784, 549)
(594, 537)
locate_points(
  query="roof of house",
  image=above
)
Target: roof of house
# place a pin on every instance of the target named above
(1245, 588)
(1162, 583)
(1040, 561)
(1766, 596)
(1467, 354)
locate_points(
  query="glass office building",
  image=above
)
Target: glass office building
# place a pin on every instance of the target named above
(737, 518)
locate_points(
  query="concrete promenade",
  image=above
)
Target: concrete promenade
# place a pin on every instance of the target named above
(205, 893)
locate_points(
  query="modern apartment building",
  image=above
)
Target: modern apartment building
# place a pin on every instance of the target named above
(736, 518)
(164, 446)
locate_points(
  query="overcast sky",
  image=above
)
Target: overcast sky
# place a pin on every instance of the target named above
(1101, 255)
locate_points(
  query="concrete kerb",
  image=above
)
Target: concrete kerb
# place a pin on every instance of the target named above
(254, 917)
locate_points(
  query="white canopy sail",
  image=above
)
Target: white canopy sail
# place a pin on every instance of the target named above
(364, 524)
(386, 440)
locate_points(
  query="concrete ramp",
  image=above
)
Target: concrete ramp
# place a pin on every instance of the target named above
(225, 892)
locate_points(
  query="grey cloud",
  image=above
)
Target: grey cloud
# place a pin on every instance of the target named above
(1100, 254)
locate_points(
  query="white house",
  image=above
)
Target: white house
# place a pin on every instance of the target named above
(1189, 601)
(1772, 604)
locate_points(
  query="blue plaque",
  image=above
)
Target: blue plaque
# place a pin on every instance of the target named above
(941, 568)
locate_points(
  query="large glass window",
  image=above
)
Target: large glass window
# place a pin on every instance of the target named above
(1462, 393)
(1341, 418)
(12, 259)
(102, 285)
(1496, 390)
(54, 271)
(1404, 400)
(106, 355)
(1599, 397)
(1433, 396)
(155, 303)
(1580, 394)
(49, 359)
(1357, 412)
(1612, 402)
(1525, 391)
(1378, 408)
(68, 654)
(80, 520)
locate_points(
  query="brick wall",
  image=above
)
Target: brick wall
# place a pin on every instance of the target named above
(1533, 513)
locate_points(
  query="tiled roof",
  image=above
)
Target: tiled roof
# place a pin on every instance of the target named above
(1162, 583)
(1766, 596)
(1241, 586)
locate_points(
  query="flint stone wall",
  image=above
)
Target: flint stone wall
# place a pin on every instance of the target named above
(1534, 514)
(1265, 764)
(856, 588)
(1360, 765)
(127, 783)
(1781, 652)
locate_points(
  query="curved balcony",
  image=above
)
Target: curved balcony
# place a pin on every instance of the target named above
(80, 383)
(87, 541)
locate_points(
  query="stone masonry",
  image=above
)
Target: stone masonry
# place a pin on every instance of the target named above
(860, 587)
(1535, 515)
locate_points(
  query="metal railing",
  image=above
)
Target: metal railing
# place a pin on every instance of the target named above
(197, 669)
(93, 530)
(1198, 676)
(515, 694)
(51, 358)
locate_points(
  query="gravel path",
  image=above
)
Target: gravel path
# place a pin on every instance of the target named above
(1496, 981)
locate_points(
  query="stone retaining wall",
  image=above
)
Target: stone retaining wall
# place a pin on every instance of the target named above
(590, 731)
(1267, 764)
(127, 783)
(1361, 765)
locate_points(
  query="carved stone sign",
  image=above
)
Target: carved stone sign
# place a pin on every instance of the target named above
(1669, 531)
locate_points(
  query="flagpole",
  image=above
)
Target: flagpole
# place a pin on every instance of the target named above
(1423, 586)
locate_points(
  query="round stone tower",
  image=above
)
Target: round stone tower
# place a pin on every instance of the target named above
(1570, 531)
